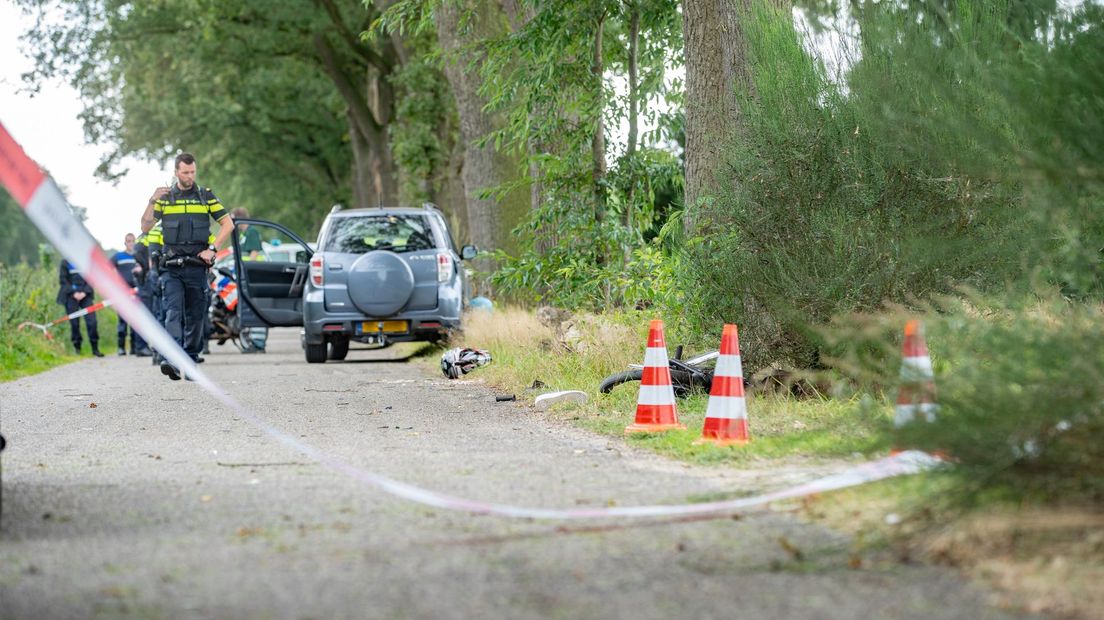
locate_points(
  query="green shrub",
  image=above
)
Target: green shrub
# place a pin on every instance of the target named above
(568, 259)
(1020, 389)
(824, 211)
(964, 152)
(28, 294)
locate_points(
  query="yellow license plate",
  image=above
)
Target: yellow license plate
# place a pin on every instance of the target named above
(387, 327)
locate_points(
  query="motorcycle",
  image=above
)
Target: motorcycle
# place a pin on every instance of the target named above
(223, 316)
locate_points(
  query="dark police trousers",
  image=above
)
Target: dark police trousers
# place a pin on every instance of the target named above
(185, 303)
(157, 291)
(121, 331)
(71, 306)
(145, 294)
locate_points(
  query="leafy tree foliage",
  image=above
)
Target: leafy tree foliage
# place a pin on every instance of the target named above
(553, 80)
(19, 239)
(285, 105)
(948, 158)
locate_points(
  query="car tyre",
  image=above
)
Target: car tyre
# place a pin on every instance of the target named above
(339, 348)
(316, 353)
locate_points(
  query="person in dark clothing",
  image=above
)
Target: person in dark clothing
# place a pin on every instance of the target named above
(249, 242)
(143, 277)
(185, 211)
(128, 269)
(74, 292)
(156, 291)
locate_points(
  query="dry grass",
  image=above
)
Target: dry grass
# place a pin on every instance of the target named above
(576, 355)
(509, 325)
(1043, 560)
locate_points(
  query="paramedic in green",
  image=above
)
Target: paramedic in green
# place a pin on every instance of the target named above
(249, 242)
(249, 238)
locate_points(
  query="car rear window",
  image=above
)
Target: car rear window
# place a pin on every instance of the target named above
(397, 233)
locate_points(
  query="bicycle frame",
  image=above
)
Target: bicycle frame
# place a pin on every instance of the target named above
(694, 361)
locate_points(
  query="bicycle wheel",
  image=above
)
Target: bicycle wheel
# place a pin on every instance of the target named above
(682, 381)
(613, 381)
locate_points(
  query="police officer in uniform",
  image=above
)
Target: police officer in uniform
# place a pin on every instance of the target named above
(185, 211)
(127, 266)
(153, 282)
(145, 277)
(74, 292)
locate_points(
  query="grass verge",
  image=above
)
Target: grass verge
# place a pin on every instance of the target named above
(1040, 558)
(28, 294)
(531, 357)
(27, 352)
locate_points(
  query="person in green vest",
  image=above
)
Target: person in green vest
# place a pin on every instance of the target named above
(249, 243)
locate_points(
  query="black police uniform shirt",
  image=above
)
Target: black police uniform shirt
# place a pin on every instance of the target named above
(71, 281)
(185, 217)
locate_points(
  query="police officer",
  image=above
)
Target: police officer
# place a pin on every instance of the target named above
(74, 292)
(154, 239)
(144, 276)
(128, 269)
(185, 211)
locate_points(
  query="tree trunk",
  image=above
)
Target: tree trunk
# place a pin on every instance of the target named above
(519, 13)
(361, 177)
(634, 112)
(634, 59)
(716, 56)
(381, 101)
(598, 141)
(369, 101)
(489, 220)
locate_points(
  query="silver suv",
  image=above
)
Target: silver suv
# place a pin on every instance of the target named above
(378, 276)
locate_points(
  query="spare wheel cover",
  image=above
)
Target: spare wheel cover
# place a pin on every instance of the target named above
(380, 283)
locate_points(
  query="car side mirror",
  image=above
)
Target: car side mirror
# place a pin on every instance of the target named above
(468, 252)
(301, 256)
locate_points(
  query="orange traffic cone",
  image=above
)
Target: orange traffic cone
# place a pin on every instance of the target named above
(655, 406)
(917, 396)
(726, 413)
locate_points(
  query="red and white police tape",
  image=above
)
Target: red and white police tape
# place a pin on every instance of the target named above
(46, 206)
(45, 327)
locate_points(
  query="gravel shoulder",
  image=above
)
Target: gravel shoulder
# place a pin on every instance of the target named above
(158, 503)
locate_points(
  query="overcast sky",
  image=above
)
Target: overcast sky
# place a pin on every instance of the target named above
(48, 128)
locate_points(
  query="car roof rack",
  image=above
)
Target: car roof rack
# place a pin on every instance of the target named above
(430, 206)
(337, 207)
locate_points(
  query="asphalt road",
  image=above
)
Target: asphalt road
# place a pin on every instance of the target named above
(157, 503)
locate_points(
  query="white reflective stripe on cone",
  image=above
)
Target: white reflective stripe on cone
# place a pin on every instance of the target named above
(728, 366)
(656, 395)
(907, 413)
(915, 369)
(655, 356)
(726, 407)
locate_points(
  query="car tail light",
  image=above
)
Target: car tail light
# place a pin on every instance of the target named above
(444, 267)
(316, 265)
